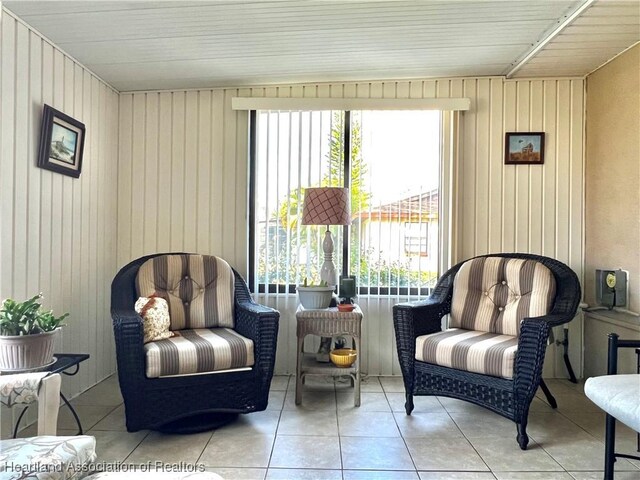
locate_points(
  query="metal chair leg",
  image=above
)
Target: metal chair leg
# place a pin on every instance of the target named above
(609, 447)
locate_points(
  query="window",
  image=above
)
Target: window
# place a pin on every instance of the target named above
(416, 239)
(390, 160)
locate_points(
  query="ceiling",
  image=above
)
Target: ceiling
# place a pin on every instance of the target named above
(148, 45)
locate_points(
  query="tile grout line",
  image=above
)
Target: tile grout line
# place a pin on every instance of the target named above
(404, 440)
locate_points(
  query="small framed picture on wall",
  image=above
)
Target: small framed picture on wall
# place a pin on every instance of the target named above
(61, 143)
(522, 148)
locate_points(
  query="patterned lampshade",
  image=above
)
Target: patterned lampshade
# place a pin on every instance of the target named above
(326, 206)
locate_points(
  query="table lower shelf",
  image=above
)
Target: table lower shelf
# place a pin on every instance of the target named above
(309, 366)
(312, 367)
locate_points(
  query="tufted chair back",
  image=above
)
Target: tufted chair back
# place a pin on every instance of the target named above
(198, 288)
(494, 294)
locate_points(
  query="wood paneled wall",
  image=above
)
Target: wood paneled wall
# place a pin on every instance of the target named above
(57, 233)
(182, 182)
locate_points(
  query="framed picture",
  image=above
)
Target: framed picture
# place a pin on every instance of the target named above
(61, 143)
(524, 148)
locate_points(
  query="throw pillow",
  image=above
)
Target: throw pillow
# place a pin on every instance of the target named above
(155, 317)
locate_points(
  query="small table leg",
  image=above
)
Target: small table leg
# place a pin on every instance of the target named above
(356, 390)
(298, 371)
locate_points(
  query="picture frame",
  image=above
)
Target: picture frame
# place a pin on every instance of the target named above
(524, 148)
(61, 143)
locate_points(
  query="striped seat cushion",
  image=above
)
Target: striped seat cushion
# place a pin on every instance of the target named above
(469, 350)
(494, 294)
(198, 289)
(198, 351)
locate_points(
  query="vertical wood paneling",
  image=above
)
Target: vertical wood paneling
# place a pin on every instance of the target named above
(499, 207)
(483, 161)
(536, 119)
(150, 220)
(58, 233)
(522, 172)
(163, 238)
(549, 172)
(468, 169)
(177, 172)
(496, 169)
(227, 172)
(218, 134)
(204, 171)
(510, 108)
(7, 149)
(191, 171)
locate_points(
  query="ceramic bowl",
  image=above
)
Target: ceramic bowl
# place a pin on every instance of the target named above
(343, 357)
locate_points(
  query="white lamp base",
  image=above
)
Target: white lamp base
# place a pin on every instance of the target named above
(328, 271)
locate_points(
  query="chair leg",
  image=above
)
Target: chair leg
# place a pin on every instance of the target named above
(408, 405)
(523, 438)
(547, 393)
(609, 447)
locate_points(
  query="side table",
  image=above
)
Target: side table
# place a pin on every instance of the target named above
(64, 361)
(327, 323)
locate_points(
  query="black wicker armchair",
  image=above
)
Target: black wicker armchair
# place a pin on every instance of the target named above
(189, 403)
(508, 374)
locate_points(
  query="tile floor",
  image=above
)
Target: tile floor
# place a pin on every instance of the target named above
(327, 438)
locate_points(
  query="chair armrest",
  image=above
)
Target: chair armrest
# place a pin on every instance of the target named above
(419, 318)
(260, 324)
(532, 347)
(553, 320)
(129, 337)
(411, 320)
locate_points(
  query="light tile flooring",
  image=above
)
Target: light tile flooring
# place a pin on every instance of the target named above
(327, 438)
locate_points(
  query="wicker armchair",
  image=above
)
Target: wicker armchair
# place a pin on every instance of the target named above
(509, 389)
(194, 402)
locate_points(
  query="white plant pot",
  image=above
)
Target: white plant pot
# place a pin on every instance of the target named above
(315, 297)
(27, 352)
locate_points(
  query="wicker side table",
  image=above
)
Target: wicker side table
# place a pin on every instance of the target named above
(327, 323)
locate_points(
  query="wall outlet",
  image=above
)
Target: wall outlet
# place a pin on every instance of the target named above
(611, 288)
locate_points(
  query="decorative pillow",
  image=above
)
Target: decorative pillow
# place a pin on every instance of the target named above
(155, 316)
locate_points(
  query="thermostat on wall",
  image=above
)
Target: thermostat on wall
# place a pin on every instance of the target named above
(611, 288)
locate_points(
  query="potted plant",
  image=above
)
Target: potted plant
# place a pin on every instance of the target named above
(27, 334)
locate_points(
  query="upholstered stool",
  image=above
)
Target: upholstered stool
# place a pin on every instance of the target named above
(50, 457)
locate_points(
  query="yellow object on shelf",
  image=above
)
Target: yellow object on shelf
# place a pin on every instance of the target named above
(343, 357)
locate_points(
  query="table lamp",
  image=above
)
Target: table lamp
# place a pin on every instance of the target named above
(326, 206)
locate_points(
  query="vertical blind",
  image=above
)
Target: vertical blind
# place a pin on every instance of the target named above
(390, 160)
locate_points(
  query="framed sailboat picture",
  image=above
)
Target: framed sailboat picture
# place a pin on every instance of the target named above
(61, 143)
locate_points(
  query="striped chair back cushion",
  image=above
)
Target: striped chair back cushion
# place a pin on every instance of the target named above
(494, 294)
(198, 288)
